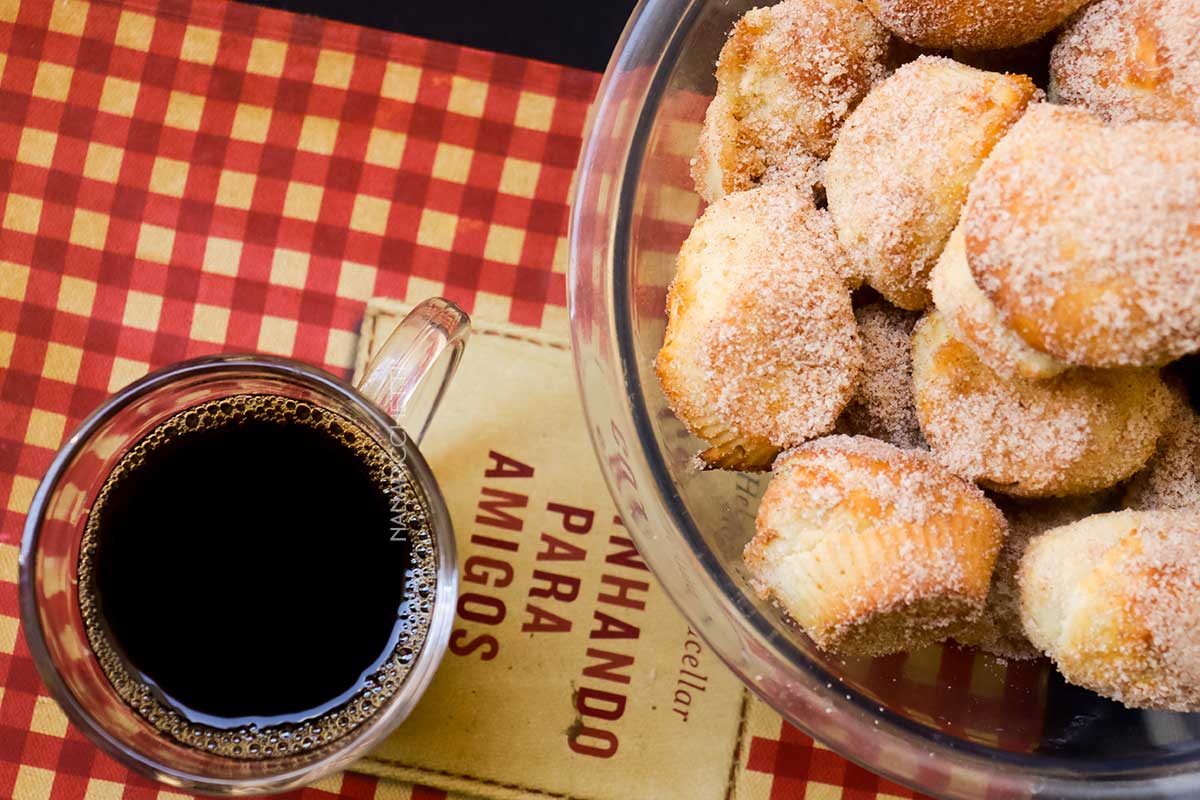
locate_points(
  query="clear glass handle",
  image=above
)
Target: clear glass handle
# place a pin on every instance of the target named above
(409, 374)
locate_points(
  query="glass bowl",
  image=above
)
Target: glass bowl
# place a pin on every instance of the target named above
(946, 720)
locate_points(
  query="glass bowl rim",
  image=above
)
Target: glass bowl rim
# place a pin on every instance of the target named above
(666, 24)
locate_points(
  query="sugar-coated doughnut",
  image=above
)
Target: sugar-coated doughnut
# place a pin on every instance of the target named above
(799, 170)
(1086, 236)
(872, 549)
(1114, 599)
(999, 630)
(1131, 59)
(719, 165)
(1075, 433)
(805, 174)
(1171, 479)
(786, 79)
(972, 24)
(900, 170)
(974, 321)
(761, 349)
(818, 225)
(882, 407)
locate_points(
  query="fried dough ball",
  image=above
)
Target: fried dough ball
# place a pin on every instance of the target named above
(1076, 433)
(798, 170)
(761, 350)
(818, 227)
(902, 165)
(786, 79)
(872, 549)
(1114, 599)
(1086, 237)
(882, 407)
(1171, 479)
(1131, 59)
(974, 321)
(999, 630)
(971, 24)
(719, 166)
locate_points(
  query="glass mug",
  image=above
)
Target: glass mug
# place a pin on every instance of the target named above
(393, 404)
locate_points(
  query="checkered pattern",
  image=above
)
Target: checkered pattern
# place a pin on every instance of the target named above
(186, 178)
(795, 762)
(975, 696)
(785, 764)
(180, 178)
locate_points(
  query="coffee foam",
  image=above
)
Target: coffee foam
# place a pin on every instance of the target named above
(254, 742)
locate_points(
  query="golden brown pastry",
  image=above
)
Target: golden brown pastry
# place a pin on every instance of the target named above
(761, 350)
(872, 549)
(786, 79)
(974, 321)
(1114, 599)
(1171, 479)
(882, 407)
(999, 630)
(903, 162)
(1076, 433)
(721, 165)
(971, 24)
(818, 226)
(1086, 237)
(798, 170)
(1131, 59)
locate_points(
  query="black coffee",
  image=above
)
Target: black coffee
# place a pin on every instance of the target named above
(256, 575)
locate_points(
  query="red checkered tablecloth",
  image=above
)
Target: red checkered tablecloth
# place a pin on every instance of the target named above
(180, 178)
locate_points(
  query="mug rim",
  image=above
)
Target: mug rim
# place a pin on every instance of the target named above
(424, 666)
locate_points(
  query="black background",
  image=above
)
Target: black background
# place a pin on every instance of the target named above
(580, 34)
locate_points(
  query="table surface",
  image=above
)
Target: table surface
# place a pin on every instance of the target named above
(182, 178)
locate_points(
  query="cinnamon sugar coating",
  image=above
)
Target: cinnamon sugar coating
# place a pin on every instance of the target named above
(999, 630)
(786, 79)
(1131, 59)
(1114, 599)
(872, 549)
(1171, 479)
(1060, 248)
(974, 320)
(971, 24)
(1086, 236)
(1076, 433)
(882, 406)
(902, 165)
(761, 349)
